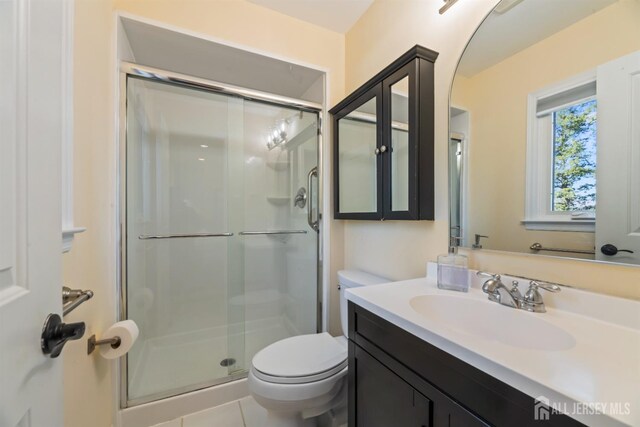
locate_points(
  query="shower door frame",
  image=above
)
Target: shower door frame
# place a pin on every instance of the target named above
(162, 76)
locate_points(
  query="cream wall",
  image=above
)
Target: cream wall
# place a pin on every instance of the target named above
(90, 380)
(91, 262)
(399, 250)
(496, 99)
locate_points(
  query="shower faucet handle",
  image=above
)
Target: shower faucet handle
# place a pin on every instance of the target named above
(300, 200)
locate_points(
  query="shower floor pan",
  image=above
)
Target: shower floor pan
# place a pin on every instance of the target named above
(175, 362)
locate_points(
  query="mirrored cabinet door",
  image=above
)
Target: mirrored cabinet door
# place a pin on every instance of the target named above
(358, 153)
(399, 161)
(383, 143)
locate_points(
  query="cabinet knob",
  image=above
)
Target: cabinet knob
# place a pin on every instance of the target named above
(377, 151)
(383, 148)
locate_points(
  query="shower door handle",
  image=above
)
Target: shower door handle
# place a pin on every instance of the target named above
(313, 224)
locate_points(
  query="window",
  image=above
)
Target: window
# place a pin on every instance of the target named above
(561, 156)
(574, 158)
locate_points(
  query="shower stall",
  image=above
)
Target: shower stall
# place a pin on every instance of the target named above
(219, 217)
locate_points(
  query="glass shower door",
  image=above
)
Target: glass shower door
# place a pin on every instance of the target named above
(182, 265)
(220, 257)
(280, 247)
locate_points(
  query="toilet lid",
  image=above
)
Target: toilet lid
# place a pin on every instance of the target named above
(303, 358)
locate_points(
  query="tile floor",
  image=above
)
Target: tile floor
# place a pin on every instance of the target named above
(240, 413)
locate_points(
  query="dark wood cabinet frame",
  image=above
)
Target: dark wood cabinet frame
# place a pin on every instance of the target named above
(418, 65)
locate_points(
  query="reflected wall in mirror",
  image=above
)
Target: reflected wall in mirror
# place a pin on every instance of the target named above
(358, 159)
(544, 152)
(400, 145)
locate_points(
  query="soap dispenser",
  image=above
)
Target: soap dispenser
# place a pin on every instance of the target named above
(453, 273)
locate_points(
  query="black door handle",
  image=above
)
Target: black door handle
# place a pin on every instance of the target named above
(611, 250)
(55, 334)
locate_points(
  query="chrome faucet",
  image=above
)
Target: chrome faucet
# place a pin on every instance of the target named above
(531, 301)
(498, 292)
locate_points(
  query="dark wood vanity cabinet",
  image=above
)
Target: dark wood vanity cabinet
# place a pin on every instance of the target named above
(383, 143)
(398, 380)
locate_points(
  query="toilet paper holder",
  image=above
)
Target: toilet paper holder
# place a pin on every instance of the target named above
(92, 343)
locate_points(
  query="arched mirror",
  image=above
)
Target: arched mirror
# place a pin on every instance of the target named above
(544, 149)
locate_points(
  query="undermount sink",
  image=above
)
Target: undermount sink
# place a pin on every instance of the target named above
(491, 321)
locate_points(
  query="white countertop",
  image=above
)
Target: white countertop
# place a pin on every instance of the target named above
(603, 367)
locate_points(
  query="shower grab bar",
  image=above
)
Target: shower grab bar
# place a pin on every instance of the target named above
(259, 233)
(313, 224)
(183, 236)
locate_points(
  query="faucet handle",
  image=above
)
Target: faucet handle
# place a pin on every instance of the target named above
(532, 300)
(549, 287)
(488, 275)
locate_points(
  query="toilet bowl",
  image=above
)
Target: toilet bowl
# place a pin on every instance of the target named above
(301, 378)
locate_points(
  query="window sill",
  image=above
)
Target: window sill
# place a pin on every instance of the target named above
(583, 225)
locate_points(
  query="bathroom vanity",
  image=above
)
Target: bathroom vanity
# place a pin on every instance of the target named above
(412, 364)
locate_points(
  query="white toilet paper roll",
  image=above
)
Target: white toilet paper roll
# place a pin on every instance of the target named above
(128, 332)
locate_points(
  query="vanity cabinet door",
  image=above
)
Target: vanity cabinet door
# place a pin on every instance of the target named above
(383, 399)
(460, 417)
(358, 165)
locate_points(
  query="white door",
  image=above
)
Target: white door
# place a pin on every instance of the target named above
(618, 164)
(31, 93)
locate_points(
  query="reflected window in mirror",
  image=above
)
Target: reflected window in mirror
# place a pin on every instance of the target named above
(548, 164)
(574, 158)
(561, 156)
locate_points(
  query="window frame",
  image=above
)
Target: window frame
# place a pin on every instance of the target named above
(539, 214)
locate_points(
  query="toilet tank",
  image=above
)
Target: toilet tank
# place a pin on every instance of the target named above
(353, 279)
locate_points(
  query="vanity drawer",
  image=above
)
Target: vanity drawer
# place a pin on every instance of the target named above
(473, 390)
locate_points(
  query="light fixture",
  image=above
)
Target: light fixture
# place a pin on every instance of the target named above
(278, 135)
(447, 5)
(204, 146)
(201, 159)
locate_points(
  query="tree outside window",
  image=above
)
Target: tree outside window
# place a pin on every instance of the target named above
(574, 158)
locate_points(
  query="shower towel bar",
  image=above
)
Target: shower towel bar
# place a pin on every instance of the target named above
(183, 236)
(538, 247)
(257, 233)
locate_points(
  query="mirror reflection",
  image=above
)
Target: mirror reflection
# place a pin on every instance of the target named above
(400, 145)
(357, 133)
(544, 150)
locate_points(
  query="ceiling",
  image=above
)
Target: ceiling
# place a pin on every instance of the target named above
(334, 15)
(526, 23)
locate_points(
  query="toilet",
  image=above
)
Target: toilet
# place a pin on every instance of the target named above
(301, 378)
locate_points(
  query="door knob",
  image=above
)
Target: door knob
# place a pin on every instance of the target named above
(55, 334)
(611, 250)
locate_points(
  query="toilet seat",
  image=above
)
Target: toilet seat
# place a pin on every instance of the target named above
(301, 359)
